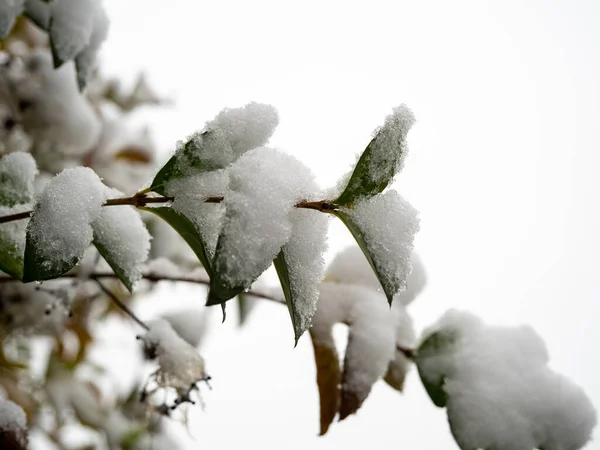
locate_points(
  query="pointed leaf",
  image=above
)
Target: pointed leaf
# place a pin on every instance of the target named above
(381, 160)
(245, 307)
(186, 230)
(329, 377)
(436, 344)
(384, 228)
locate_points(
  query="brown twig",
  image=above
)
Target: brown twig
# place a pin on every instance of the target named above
(140, 200)
(121, 305)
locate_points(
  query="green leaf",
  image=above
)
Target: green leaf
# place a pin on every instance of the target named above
(187, 231)
(38, 268)
(186, 158)
(12, 243)
(381, 160)
(389, 287)
(435, 345)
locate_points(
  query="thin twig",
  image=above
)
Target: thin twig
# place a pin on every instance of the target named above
(410, 353)
(140, 200)
(122, 305)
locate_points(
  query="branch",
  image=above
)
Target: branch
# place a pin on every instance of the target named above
(140, 199)
(122, 305)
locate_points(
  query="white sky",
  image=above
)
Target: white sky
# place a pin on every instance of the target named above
(502, 167)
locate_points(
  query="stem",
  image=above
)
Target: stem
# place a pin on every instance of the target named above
(122, 305)
(140, 200)
(409, 353)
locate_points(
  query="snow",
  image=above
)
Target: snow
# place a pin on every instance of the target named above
(86, 60)
(17, 173)
(406, 339)
(304, 259)
(58, 118)
(122, 233)
(388, 224)
(9, 10)
(190, 324)
(71, 26)
(190, 192)
(231, 133)
(12, 416)
(371, 339)
(264, 186)
(247, 127)
(60, 225)
(500, 392)
(39, 12)
(180, 365)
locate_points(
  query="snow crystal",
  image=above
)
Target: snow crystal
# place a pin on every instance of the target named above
(17, 173)
(371, 339)
(264, 186)
(120, 231)
(247, 127)
(388, 224)
(9, 10)
(60, 225)
(12, 416)
(190, 194)
(231, 133)
(180, 365)
(71, 26)
(500, 392)
(390, 137)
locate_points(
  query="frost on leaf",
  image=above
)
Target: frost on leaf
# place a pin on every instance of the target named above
(264, 186)
(384, 227)
(9, 10)
(180, 367)
(17, 173)
(223, 140)
(70, 28)
(13, 426)
(381, 160)
(300, 263)
(60, 228)
(122, 239)
(498, 390)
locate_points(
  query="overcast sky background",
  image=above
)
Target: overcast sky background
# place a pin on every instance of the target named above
(502, 166)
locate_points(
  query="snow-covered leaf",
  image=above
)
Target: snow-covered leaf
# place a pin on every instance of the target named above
(60, 228)
(499, 391)
(264, 186)
(299, 266)
(329, 378)
(38, 11)
(70, 28)
(381, 160)
(186, 230)
(223, 140)
(17, 173)
(435, 346)
(371, 341)
(12, 241)
(122, 239)
(9, 10)
(384, 227)
(86, 59)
